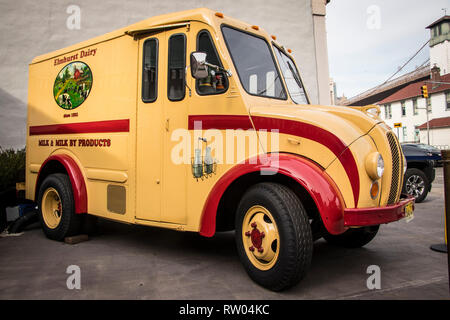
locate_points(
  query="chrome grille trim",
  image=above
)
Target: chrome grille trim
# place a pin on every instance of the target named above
(396, 167)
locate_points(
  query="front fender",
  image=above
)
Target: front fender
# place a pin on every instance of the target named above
(308, 174)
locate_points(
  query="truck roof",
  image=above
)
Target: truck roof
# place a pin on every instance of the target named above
(201, 14)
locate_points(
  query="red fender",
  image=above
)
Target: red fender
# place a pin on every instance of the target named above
(314, 179)
(76, 179)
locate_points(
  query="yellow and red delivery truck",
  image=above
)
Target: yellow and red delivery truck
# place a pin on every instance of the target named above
(198, 122)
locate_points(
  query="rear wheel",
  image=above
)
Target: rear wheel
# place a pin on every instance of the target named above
(56, 207)
(416, 184)
(354, 237)
(273, 236)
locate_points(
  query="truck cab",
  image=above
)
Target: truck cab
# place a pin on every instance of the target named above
(195, 121)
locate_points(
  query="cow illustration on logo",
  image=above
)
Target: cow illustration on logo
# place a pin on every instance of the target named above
(72, 85)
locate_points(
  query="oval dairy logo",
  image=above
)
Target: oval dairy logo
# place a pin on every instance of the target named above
(72, 85)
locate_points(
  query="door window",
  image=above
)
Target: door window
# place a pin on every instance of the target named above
(177, 65)
(217, 81)
(150, 70)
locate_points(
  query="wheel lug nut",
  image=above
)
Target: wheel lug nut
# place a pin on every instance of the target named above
(252, 248)
(248, 234)
(260, 250)
(253, 225)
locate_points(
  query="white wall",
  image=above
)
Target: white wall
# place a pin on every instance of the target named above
(29, 28)
(439, 137)
(440, 55)
(438, 110)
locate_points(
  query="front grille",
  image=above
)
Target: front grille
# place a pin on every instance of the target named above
(396, 166)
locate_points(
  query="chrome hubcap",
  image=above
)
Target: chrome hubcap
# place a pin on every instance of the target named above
(415, 186)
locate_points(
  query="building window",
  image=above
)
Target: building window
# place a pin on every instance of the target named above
(403, 108)
(415, 109)
(405, 134)
(447, 99)
(177, 64)
(428, 105)
(217, 81)
(387, 111)
(150, 70)
(416, 134)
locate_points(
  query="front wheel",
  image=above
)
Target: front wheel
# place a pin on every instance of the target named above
(416, 184)
(273, 236)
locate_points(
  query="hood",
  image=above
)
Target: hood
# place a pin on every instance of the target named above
(347, 123)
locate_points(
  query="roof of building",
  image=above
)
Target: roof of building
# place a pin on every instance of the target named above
(437, 123)
(413, 90)
(444, 18)
(380, 92)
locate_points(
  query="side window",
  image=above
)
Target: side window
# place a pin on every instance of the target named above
(217, 81)
(150, 71)
(177, 65)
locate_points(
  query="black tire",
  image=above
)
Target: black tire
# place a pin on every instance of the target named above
(70, 222)
(354, 237)
(416, 184)
(296, 242)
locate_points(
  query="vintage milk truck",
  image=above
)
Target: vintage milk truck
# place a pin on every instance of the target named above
(198, 122)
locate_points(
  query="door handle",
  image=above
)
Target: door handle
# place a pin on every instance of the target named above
(294, 141)
(167, 124)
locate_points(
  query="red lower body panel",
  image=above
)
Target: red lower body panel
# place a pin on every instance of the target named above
(374, 216)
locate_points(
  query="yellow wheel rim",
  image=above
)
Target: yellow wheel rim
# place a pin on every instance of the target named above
(260, 237)
(51, 208)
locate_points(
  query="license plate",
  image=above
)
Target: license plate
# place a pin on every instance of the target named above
(409, 212)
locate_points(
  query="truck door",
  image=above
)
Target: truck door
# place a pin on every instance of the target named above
(176, 101)
(161, 110)
(150, 104)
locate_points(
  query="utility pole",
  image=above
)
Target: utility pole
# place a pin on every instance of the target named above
(428, 127)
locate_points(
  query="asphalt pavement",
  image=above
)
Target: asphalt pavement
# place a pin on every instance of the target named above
(136, 262)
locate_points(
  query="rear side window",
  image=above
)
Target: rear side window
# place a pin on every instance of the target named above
(150, 71)
(177, 66)
(217, 81)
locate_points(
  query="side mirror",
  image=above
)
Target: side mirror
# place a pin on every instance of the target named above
(199, 69)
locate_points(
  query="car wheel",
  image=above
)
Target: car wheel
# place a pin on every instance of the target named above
(56, 207)
(416, 184)
(354, 237)
(273, 236)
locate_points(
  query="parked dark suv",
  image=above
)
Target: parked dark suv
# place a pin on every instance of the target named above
(420, 172)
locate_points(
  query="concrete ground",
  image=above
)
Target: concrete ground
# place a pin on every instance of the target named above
(134, 262)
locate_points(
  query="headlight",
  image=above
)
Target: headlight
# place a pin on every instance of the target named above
(375, 165)
(405, 164)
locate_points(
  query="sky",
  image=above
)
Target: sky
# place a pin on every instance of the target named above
(368, 40)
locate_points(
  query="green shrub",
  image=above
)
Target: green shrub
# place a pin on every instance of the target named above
(12, 167)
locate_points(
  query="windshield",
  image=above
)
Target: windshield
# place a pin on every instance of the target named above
(254, 64)
(291, 77)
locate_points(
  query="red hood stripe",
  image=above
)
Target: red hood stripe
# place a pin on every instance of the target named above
(292, 127)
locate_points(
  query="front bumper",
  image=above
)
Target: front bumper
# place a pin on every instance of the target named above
(360, 217)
